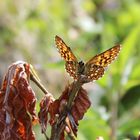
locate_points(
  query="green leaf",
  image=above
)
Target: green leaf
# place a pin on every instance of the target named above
(128, 46)
(129, 129)
(130, 99)
(136, 72)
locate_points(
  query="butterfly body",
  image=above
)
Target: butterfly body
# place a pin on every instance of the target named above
(81, 67)
(75, 69)
(93, 69)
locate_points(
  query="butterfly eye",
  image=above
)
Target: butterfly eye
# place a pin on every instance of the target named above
(81, 63)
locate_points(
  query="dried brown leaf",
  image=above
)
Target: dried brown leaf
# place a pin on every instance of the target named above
(55, 110)
(44, 111)
(17, 104)
(79, 107)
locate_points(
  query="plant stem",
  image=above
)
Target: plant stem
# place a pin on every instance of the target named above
(75, 88)
(59, 127)
(46, 136)
(114, 116)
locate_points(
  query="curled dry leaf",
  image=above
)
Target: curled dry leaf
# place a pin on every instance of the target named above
(44, 110)
(81, 105)
(56, 108)
(17, 104)
(79, 108)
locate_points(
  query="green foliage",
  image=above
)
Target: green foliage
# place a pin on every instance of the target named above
(93, 124)
(131, 98)
(27, 31)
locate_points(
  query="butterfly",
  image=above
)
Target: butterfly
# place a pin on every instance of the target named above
(93, 69)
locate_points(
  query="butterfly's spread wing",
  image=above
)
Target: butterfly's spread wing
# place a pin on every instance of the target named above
(95, 67)
(93, 72)
(105, 58)
(68, 56)
(71, 68)
(64, 50)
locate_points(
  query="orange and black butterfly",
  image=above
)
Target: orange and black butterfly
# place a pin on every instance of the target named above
(93, 69)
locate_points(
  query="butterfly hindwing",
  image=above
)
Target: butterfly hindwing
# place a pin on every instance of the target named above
(71, 68)
(94, 72)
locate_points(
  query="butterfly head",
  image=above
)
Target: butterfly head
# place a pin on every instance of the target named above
(81, 63)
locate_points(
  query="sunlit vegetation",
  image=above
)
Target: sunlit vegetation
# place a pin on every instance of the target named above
(27, 32)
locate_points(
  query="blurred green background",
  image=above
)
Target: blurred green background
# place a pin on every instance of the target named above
(89, 27)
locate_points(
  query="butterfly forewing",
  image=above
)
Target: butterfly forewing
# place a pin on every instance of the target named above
(105, 58)
(64, 50)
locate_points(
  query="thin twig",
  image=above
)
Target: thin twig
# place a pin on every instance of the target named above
(71, 137)
(46, 136)
(38, 83)
(75, 88)
(36, 80)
